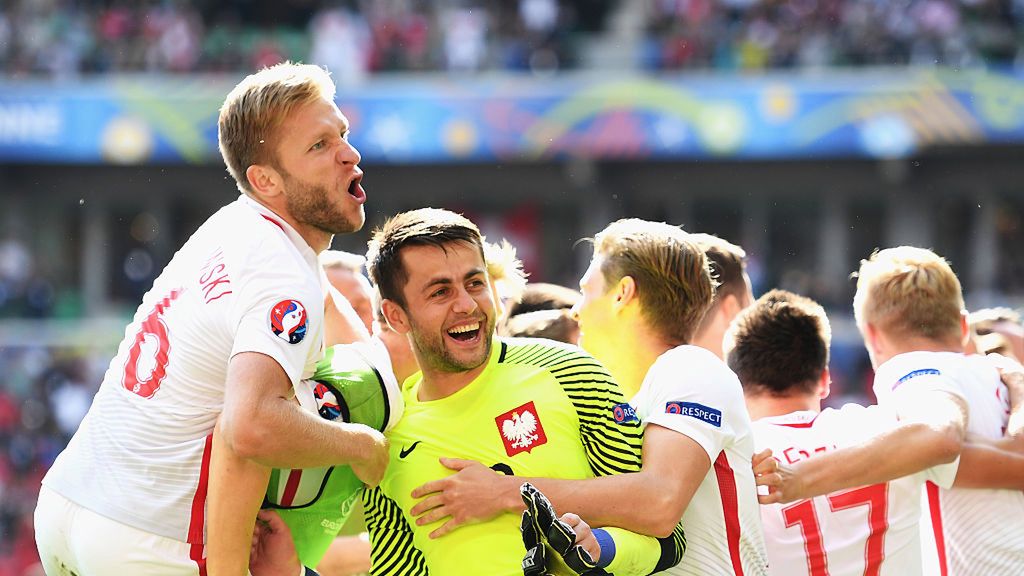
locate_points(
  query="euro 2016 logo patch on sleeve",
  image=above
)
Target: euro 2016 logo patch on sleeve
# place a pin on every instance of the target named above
(701, 412)
(520, 429)
(288, 321)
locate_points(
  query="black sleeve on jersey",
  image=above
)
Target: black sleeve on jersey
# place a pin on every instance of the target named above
(392, 552)
(672, 549)
(612, 447)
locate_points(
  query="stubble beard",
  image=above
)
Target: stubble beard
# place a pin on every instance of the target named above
(432, 350)
(311, 204)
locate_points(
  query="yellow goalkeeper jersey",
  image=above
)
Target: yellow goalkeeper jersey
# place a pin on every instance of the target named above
(539, 408)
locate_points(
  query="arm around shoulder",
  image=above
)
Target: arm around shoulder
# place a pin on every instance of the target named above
(261, 421)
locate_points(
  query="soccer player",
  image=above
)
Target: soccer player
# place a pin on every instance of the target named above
(533, 408)
(231, 326)
(357, 382)
(733, 294)
(909, 308)
(779, 349)
(644, 294)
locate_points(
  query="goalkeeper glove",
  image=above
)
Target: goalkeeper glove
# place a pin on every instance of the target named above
(541, 526)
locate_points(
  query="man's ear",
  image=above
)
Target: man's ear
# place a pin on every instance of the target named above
(872, 337)
(965, 329)
(396, 317)
(264, 180)
(625, 292)
(825, 384)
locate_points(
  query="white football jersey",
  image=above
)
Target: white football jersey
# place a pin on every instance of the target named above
(871, 530)
(691, 391)
(244, 282)
(969, 531)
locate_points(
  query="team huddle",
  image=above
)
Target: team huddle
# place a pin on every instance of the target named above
(677, 428)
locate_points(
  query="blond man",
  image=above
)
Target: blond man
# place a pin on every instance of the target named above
(644, 295)
(234, 322)
(909, 308)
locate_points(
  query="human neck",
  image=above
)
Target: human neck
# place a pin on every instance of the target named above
(710, 340)
(636, 355)
(317, 239)
(894, 346)
(438, 384)
(764, 405)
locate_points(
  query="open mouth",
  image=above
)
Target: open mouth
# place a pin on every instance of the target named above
(355, 188)
(465, 332)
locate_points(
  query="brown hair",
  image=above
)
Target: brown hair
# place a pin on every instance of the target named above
(672, 277)
(908, 291)
(253, 111)
(779, 345)
(423, 227)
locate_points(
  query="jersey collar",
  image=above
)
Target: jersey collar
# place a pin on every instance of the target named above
(272, 218)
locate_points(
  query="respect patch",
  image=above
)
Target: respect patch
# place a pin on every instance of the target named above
(624, 413)
(701, 412)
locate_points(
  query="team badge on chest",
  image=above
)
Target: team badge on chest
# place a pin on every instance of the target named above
(520, 429)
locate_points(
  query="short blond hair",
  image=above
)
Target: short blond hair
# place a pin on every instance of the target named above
(253, 111)
(908, 291)
(672, 275)
(505, 269)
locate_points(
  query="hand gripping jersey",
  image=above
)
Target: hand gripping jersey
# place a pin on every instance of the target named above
(244, 282)
(872, 530)
(352, 383)
(968, 531)
(539, 408)
(691, 391)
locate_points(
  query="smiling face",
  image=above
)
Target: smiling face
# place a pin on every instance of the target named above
(449, 306)
(319, 169)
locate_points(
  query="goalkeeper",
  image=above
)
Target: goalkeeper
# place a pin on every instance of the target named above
(352, 383)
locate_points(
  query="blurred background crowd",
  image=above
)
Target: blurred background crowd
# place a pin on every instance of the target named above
(81, 241)
(357, 37)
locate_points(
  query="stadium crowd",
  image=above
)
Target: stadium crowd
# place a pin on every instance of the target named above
(62, 38)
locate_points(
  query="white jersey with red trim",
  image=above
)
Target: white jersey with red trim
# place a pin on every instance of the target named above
(969, 531)
(691, 391)
(871, 530)
(244, 282)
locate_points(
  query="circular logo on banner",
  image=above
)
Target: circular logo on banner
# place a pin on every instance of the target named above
(288, 321)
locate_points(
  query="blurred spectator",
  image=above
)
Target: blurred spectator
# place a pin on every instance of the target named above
(344, 271)
(553, 324)
(545, 296)
(998, 330)
(341, 42)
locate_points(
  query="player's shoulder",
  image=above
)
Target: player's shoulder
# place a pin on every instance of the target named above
(921, 370)
(693, 359)
(542, 353)
(693, 370)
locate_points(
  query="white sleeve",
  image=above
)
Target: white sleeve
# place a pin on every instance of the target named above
(695, 403)
(275, 312)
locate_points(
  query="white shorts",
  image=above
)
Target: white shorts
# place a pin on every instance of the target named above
(75, 541)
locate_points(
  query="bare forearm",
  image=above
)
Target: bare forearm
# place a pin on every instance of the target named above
(992, 463)
(908, 449)
(289, 437)
(605, 501)
(236, 490)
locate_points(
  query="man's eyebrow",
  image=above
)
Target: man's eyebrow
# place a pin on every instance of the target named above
(445, 280)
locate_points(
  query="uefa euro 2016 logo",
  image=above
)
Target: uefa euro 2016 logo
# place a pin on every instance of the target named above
(288, 321)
